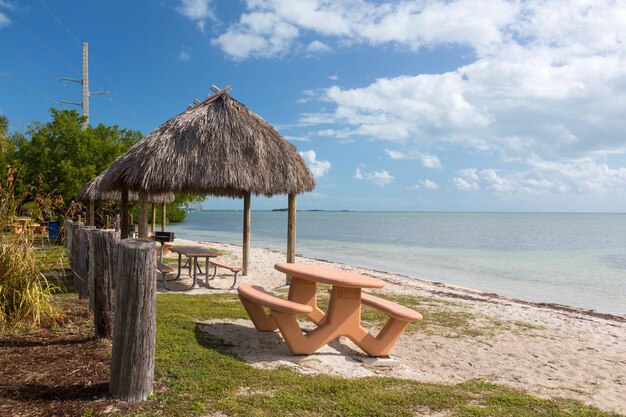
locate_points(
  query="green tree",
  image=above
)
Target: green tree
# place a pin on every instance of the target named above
(62, 157)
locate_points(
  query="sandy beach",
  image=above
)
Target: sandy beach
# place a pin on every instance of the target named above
(547, 350)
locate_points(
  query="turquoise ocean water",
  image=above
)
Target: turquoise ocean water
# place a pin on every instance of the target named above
(572, 259)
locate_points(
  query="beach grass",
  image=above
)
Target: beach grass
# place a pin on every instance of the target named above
(200, 375)
(203, 376)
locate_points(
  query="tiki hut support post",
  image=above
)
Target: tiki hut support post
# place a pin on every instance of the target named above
(92, 213)
(163, 217)
(143, 215)
(291, 232)
(153, 227)
(246, 232)
(124, 215)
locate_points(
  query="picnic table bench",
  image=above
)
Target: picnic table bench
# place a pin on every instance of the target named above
(233, 268)
(164, 270)
(343, 317)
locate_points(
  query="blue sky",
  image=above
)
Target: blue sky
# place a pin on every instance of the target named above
(408, 105)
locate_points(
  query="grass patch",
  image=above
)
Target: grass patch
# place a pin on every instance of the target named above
(203, 376)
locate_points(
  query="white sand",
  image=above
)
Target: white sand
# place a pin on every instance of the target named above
(548, 351)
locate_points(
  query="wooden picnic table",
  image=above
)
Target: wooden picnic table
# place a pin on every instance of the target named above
(193, 254)
(343, 317)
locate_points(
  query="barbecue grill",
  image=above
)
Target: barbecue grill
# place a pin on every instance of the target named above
(163, 237)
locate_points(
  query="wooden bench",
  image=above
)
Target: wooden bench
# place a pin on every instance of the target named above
(164, 270)
(221, 264)
(254, 298)
(392, 309)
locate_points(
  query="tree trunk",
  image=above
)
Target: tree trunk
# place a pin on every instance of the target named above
(134, 329)
(246, 232)
(291, 233)
(104, 244)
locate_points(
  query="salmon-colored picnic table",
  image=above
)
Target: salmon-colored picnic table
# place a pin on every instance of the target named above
(343, 317)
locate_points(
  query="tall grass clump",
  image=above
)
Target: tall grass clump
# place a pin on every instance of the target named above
(25, 294)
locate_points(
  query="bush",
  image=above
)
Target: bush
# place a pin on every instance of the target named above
(25, 294)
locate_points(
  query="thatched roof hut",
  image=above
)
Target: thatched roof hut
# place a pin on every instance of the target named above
(218, 147)
(92, 192)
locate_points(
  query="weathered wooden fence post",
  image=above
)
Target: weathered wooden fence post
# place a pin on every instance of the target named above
(134, 329)
(67, 235)
(84, 236)
(104, 249)
(75, 254)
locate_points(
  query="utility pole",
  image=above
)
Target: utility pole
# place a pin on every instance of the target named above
(85, 84)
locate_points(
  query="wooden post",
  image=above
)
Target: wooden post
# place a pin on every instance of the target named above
(67, 236)
(143, 215)
(246, 232)
(92, 213)
(75, 255)
(104, 245)
(134, 329)
(153, 228)
(83, 264)
(163, 217)
(291, 233)
(124, 215)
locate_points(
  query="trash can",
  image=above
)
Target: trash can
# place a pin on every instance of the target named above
(53, 230)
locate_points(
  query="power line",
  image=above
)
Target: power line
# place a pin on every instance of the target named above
(113, 87)
(30, 61)
(59, 21)
(7, 76)
(23, 29)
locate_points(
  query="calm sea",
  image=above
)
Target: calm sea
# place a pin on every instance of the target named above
(572, 259)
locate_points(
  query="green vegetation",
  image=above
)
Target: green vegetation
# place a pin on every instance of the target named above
(58, 158)
(203, 376)
(200, 375)
(25, 294)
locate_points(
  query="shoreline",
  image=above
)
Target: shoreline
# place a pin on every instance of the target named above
(479, 293)
(545, 349)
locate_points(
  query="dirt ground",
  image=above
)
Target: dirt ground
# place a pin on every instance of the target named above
(58, 373)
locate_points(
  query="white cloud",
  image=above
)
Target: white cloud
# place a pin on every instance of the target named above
(429, 185)
(411, 24)
(427, 160)
(464, 185)
(297, 138)
(258, 34)
(9, 5)
(318, 168)
(184, 54)
(197, 10)
(317, 47)
(548, 79)
(380, 178)
(424, 184)
(544, 178)
(333, 77)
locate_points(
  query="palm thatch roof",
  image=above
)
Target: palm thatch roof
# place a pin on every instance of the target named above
(218, 147)
(92, 191)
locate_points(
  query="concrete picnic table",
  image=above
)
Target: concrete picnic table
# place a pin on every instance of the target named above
(343, 317)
